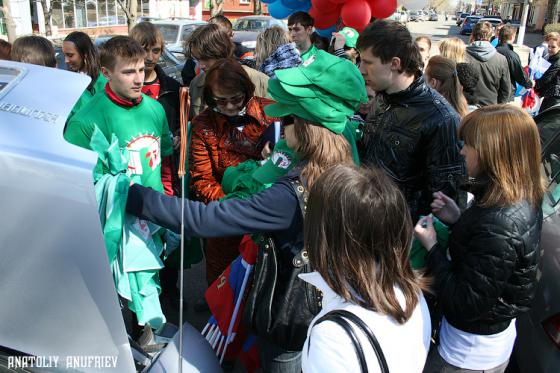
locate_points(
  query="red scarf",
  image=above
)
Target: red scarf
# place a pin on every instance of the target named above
(121, 101)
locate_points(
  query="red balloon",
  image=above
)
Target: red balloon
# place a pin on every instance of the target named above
(356, 14)
(382, 8)
(325, 20)
(338, 1)
(323, 6)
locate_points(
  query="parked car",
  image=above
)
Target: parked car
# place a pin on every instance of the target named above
(176, 31)
(63, 305)
(462, 18)
(468, 24)
(415, 16)
(494, 20)
(170, 64)
(246, 29)
(537, 347)
(399, 17)
(433, 16)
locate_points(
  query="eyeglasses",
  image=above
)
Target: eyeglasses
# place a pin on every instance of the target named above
(235, 100)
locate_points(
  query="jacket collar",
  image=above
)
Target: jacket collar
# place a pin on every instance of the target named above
(331, 300)
(121, 101)
(417, 87)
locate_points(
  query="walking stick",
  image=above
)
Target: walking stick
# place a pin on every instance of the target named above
(184, 104)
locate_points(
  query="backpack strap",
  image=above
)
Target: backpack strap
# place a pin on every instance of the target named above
(343, 318)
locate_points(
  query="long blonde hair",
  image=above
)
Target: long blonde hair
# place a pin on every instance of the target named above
(453, 48)
(444, 70)
(268, 41)
(321, 148)
(508, 146)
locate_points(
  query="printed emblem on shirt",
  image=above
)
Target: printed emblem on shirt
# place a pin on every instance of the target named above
(144, 152)
(281, 160)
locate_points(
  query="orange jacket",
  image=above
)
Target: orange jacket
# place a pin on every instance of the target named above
(217, 145)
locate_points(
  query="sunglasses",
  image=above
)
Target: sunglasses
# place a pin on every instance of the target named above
(235, 100)
(287, 120)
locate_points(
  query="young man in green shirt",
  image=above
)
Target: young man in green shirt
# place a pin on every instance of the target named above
(138, 121)
(300, 26)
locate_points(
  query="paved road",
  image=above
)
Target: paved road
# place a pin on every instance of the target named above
(442, 29)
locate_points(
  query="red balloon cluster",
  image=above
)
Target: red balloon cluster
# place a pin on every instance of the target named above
(354, 13)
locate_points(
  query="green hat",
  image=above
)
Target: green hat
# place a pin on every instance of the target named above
(277, 165)
(325, 89)
(351, 36)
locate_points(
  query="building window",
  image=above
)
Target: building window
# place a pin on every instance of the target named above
(244, 1)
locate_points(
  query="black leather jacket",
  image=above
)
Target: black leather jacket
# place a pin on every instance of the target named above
(412, 135)
(491, 277)
(549, 84)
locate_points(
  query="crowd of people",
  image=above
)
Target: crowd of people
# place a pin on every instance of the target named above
(381, 145)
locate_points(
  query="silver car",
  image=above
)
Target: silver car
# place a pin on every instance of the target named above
(60, 310)
(176, 31)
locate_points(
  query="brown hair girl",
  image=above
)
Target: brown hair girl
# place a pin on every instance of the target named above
(441, 74)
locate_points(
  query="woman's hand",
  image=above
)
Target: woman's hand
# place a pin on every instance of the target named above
(266, 151)
(424, 231)
(339, 40)
(445, 208)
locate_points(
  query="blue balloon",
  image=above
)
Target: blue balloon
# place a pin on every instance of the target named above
(268, 1)
(279, 11)
(304, 7)
(327, 32)
(292, 4)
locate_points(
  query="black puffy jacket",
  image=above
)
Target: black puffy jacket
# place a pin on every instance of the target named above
(549, 84)
(412, 135)
(491, 276)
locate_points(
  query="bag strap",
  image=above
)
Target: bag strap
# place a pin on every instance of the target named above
(301, 193)
(341, 317)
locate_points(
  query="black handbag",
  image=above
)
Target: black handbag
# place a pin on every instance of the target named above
(345, 319)
(280, 306)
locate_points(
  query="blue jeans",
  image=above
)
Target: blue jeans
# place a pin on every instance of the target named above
(275, 359)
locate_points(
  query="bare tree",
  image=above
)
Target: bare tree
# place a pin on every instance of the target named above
(552, 12)
(47, 14)
(10, 24)
(130, 9)
(216, 7)
(257, 7)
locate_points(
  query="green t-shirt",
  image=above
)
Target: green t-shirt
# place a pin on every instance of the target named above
(310, 52)
(141, 129)
(98, 86)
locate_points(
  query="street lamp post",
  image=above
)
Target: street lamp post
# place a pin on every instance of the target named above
(523, 24)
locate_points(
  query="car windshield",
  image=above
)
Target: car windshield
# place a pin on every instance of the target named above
(413, 13)
(169, 32)
(464, 15)
(472, 19)
(8, 75)
(250, 25)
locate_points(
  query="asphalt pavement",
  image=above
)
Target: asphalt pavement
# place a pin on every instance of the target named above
(438, 30)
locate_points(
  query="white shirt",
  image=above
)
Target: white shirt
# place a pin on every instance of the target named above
(473, 351)
(405, 346)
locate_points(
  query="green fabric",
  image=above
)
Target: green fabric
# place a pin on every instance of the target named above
(352, 134)
(133, 246)
(98, 86)
(310, 52)
(141, 129)
(350, 35)
(325, 90)
(249, 177)
(418, 253)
